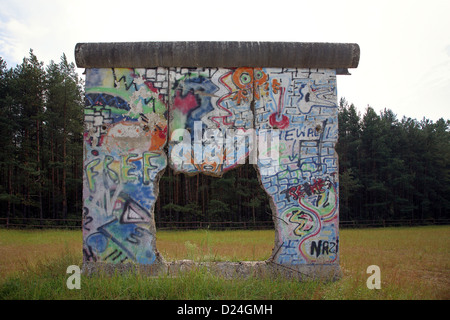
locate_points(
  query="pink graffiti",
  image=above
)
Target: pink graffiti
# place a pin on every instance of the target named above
(186, 103)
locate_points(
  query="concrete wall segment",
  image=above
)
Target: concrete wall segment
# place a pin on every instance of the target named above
(226, 54)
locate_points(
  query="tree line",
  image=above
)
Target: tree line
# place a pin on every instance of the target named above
(41, 153)
(389, 168)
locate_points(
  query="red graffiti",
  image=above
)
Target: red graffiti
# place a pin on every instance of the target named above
(151, 86)
(302, 190)
(277, 119)
(185, 103)
(279, 123)
(163, 133)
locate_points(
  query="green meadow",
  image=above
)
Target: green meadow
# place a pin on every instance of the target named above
(414, 264)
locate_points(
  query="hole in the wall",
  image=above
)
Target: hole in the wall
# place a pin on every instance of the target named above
(207, 218)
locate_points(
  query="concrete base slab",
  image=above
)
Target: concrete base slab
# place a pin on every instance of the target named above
(227, 270)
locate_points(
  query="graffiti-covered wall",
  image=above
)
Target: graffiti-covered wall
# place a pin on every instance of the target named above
(125, 132)
(212, 119)
(303, 182)
(279, 114)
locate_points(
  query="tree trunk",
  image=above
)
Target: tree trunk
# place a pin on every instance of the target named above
(254, 216)
(64, 173)
(196, 190)
(186, 187)
(8, 212)
(52, 157)
(38, 146)
(203, 198)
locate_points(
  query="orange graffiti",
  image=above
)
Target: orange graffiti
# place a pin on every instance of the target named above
(249, 80)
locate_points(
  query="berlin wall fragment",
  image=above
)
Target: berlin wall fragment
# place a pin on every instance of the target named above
(205, 109)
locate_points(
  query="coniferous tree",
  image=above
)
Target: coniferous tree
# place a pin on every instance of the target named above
(27, 88)
(8, 141)
(64, 117)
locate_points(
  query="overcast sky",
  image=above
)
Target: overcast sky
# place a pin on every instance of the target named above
(405, 45)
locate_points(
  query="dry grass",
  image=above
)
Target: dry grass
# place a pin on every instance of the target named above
(414, 262)
(206, 245)
(21, 250)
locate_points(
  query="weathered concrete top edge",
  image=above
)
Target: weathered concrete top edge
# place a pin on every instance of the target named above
(227, 54)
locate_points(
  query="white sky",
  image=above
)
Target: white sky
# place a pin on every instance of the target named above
(405, 45)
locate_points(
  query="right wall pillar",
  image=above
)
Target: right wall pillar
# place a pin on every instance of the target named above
(303, 181)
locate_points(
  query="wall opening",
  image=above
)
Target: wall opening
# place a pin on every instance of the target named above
(224, 218)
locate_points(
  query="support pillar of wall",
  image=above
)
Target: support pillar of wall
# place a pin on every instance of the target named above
(205, 107)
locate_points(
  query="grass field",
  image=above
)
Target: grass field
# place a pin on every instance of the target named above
(414, 264)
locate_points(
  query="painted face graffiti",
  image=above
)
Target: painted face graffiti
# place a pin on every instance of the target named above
(248, 81)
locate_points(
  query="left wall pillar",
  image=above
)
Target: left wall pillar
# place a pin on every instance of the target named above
(125, 132)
